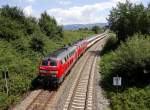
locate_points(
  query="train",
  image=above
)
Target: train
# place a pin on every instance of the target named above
(54, 68)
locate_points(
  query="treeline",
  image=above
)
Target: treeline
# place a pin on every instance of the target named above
(127, 54)
(95, 29)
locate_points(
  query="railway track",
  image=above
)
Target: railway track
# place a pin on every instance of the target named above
(41, 100)
(81, 93)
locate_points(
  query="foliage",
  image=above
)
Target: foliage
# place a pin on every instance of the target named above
(13, 13)
(84, 29)
(49, 26)
(9, 29)
(127, 19)
(96, 29)
(75, 35)
(131, 99)
(37, 44)
(131, 61)
(110, 44)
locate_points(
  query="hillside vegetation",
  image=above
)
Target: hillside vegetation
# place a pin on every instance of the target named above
(131, 61)
(23, 42)
(127, 54)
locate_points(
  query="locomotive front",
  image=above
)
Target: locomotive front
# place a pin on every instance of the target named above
(48, 72)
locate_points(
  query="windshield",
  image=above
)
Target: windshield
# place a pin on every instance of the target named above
(53, 63)
(45, 63)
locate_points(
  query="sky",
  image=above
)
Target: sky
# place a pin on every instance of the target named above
(69, 11)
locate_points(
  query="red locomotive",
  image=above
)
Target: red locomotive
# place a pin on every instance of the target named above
(54, 68)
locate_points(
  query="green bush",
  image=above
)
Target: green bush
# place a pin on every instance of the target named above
(49, 27)
(9, 30)
(131, 61)
(127, 19)
(110, 44)
(96, 29)
(13, 13)
(131, 99)
(37, 44)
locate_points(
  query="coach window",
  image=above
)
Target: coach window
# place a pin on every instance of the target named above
(65, 58)
(63, 61)
(69, 54)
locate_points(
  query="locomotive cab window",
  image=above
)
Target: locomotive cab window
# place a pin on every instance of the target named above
(45, 63)
(53, 63)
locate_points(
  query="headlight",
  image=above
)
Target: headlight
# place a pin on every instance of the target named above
(43, 71)
(53, 73)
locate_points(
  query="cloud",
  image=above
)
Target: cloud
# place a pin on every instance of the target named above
(81, 14)
(123, 1)
(28, 10)
(30, 0)
(65, 2)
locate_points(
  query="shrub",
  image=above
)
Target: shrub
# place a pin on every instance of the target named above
(9, 30)
(110, 44)
(37, 44)
(96, 29)
(131, 99)
(13, 13)
(128, 18)
(131, 61)
(49, 26)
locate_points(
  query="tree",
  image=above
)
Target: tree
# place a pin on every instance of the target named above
(37, 44)
(96, 29)
(49, 26)
(83, 29)
(13, 13)
(31, 26)
(9, 30)
(127, 19)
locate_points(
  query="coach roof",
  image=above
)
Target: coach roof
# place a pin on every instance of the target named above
(61, 53)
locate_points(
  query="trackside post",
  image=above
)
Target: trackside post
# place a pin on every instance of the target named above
(5, 74)
(117, 81)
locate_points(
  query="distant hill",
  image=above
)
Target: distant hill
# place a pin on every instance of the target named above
(77, 26)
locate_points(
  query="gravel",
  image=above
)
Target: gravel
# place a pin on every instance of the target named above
(102, 103)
